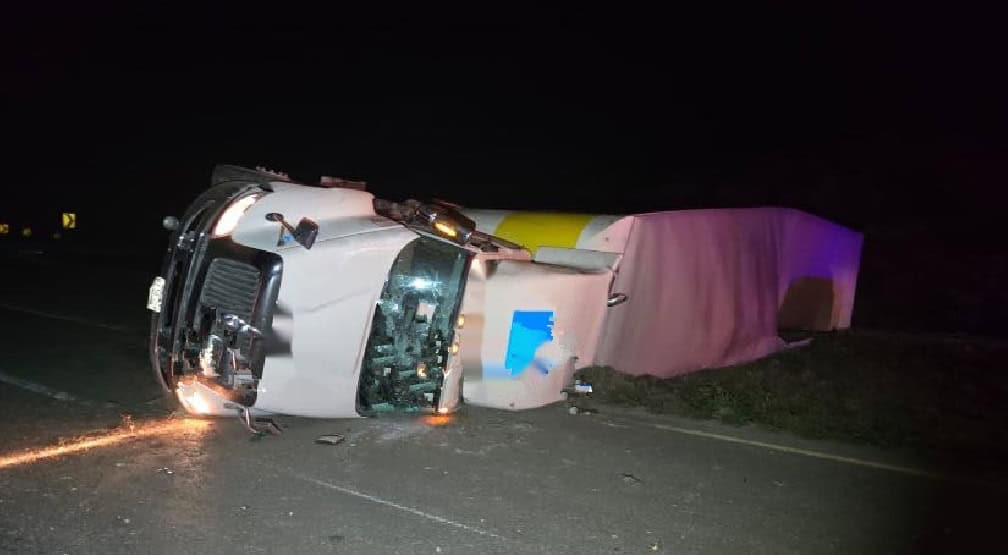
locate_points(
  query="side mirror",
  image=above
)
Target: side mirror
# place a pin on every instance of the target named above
(305, 233)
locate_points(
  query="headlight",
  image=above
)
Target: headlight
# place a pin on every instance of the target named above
(446, 222)
(229, 219)
(446, 229)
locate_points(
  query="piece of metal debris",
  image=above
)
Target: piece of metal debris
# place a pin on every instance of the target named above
(258, 426)
(329, 439)
(798, 344)
(268, 425)
(631, 479)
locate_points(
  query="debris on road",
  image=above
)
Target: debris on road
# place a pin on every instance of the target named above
(259, 426)
(631, 479)
(579, 398)
(166, 470)
(329, 439)
(268, 425)
(798, 344)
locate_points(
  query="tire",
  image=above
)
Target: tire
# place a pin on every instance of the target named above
(167, 383)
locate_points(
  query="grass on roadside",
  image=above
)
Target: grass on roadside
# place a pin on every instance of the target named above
(883, 389)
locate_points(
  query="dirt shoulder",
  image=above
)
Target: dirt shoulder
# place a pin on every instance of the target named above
(929, 393)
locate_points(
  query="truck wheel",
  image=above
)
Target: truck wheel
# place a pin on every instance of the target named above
(165, 381)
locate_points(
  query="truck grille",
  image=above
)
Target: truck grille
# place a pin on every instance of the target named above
(231, 287)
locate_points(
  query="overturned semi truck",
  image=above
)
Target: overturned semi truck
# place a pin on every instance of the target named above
(279, 297)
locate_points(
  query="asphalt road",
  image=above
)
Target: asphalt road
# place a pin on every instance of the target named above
(482, 481)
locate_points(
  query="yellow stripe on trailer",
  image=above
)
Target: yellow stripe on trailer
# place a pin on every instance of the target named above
(543, 229)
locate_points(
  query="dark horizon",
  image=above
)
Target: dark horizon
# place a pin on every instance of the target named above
(888, 122)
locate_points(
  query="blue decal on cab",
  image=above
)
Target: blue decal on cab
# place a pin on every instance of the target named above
(530, 329)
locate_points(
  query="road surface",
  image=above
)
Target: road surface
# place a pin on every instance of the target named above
(482, 481)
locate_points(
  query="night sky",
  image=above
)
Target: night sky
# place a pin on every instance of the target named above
(890, 122)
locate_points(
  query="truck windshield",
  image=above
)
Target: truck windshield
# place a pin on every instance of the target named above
(412, 328)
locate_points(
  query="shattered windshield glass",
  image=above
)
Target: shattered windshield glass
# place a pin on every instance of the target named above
(413, 327)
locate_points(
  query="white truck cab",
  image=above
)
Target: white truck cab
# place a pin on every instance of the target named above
(322, 301)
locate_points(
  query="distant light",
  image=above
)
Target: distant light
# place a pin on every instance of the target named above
(444, 410)
(421, 370)
(446, 229)
(461, 320)
(26, 232)
(4, 229)
(455, 348)
(69, 220)
(421, 283)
